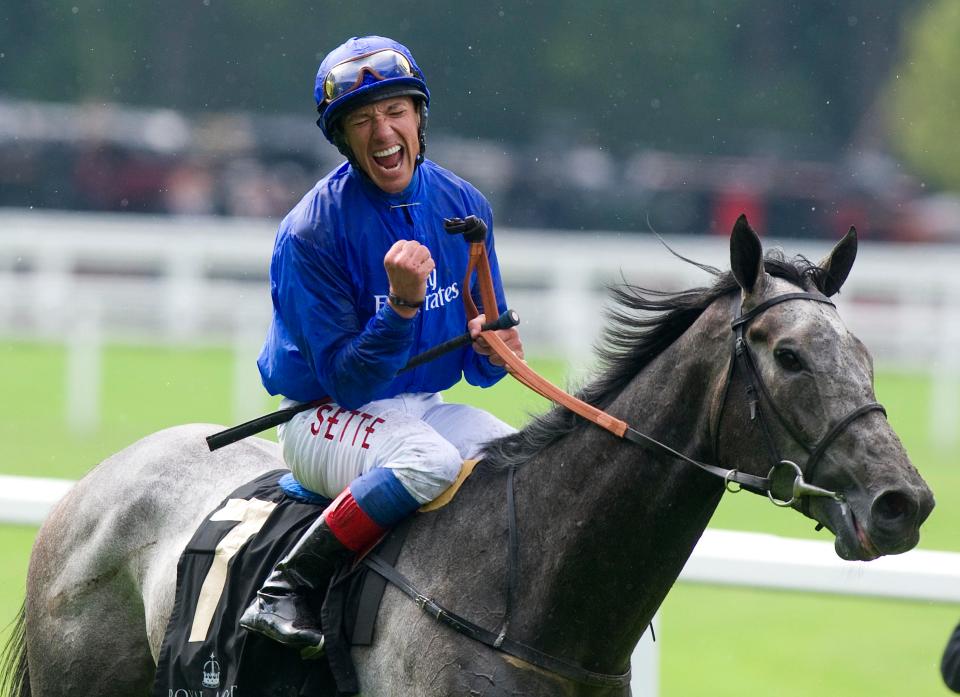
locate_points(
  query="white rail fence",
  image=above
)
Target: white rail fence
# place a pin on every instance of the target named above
(721, 557)
(87, 279)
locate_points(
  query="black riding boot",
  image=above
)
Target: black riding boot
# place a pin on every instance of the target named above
(280, 611)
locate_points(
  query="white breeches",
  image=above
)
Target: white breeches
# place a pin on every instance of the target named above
(421, 438)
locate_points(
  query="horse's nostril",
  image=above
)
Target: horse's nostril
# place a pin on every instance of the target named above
(894, 507)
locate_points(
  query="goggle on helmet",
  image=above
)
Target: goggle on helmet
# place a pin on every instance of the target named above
(382, 69)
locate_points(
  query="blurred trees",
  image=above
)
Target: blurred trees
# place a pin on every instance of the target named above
(923, 94)
(712, 76)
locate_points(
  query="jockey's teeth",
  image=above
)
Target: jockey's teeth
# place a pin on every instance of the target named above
(389, 151)
(389, 158)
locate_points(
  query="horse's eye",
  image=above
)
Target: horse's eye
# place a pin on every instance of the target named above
(788, 360)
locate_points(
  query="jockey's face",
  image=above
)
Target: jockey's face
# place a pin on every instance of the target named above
(383, 138)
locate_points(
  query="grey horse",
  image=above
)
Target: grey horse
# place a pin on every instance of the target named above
(605, 526)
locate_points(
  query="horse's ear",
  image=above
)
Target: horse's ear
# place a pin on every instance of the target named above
(746, 255)
(836, 265)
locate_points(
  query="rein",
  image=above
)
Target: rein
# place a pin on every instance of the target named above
(474, 231)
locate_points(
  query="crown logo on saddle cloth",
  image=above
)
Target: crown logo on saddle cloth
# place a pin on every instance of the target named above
(211, 672)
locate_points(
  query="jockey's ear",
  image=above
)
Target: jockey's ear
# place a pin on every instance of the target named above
(836, 265)
(746, 256)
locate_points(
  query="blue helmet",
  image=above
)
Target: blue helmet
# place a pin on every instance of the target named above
(364, 70)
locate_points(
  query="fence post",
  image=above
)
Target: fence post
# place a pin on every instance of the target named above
(248, 393)
(645, 663)
(84, 371)
(945, 387)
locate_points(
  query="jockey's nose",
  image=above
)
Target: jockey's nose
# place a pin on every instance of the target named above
(381, 126)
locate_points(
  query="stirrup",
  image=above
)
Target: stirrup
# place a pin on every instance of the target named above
(312, 653)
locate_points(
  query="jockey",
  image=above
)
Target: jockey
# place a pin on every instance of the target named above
(364, 276)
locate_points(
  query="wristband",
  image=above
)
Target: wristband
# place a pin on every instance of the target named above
(404, 303)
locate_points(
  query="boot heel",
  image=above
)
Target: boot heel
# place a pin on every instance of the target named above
(312, 653)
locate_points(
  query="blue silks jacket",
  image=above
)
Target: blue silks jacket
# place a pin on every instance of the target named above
(333, 333)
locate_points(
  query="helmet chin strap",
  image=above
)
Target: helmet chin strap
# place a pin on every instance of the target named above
(340, 140)
(422, 130)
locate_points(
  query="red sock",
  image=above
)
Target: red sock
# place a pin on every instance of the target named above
(349, 524)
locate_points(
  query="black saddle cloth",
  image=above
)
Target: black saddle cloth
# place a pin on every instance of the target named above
(205, 653)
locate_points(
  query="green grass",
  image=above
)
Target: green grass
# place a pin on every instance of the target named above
(715, 641)
(727, 642)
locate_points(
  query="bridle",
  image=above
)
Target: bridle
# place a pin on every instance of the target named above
(758, 396)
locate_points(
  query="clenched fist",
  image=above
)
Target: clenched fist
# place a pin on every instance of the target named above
(408, 264)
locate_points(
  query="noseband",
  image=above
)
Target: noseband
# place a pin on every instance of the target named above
(758, 395)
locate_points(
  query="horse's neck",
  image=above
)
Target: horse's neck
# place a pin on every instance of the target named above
(608, 525)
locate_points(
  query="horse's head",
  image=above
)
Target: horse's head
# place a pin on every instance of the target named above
(812, 381)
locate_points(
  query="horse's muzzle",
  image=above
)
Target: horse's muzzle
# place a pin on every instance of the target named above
(896, 516)
(889, 523)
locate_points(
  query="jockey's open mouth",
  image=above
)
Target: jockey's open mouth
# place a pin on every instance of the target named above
(389, 158)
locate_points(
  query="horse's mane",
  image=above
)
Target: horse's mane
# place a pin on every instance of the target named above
(641, 324)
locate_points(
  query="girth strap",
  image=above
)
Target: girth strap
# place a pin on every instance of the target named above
(517, 649)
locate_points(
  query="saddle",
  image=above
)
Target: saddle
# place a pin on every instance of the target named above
(206, 653)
